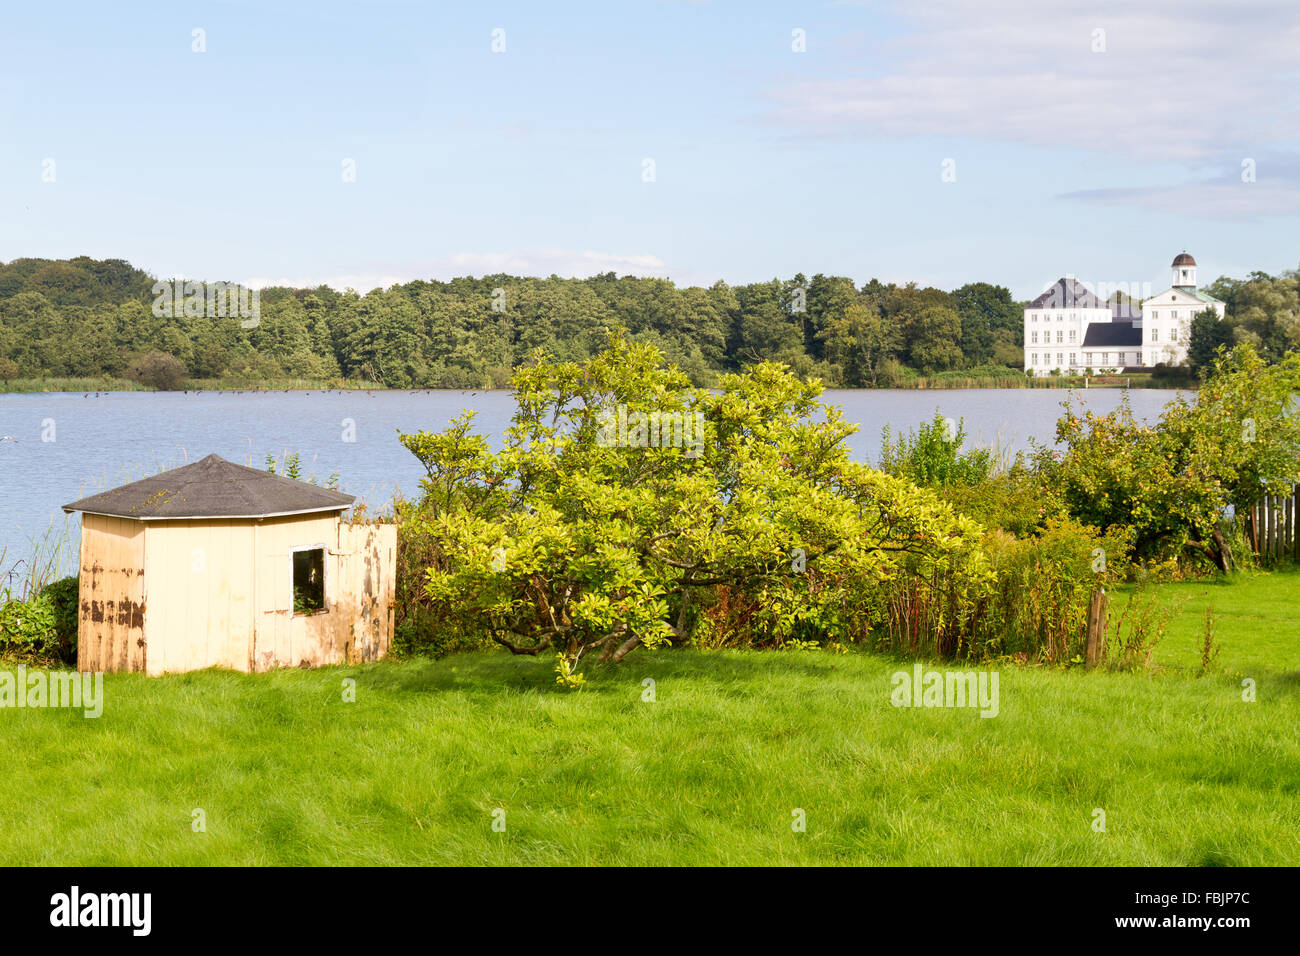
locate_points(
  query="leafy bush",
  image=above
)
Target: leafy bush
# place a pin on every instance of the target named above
(1014, 501)
(158, 370)
(1173, 484)
(422, 625)
(43, 627)
(1164, 374)
(761, 531)
(28, 629)
(1034, 608)
(932, 455)
(64, 595)
(894, 374)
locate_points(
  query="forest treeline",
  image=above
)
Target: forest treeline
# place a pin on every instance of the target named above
(89, 318)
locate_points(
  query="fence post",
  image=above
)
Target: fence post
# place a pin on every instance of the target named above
(1274, 512)
(1095, 648)
(1283, 527)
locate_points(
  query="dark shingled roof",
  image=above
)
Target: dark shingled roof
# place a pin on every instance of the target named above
(1183, 259)
(1067, 294)
(1112, 335)
(212, 488)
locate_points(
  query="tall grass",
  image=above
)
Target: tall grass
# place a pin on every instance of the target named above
(71, 385)
(49, 556)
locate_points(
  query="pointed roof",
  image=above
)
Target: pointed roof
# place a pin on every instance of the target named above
(212, 488)
(1067, 293)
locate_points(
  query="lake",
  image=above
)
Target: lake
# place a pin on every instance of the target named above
(72, 444)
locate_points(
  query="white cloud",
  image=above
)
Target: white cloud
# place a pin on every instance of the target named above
(1251, 187)
(1211, 199)
(1178, 81)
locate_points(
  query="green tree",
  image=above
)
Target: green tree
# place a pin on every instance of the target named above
(1173, 483)
(158, 370)
(578, 539)
(860, 342)
(1207, 334)
(933, 335)
(985, 311)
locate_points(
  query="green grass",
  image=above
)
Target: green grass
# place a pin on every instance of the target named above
(287, 772)
(104, 384)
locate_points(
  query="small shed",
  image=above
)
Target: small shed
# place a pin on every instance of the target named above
(218, 565)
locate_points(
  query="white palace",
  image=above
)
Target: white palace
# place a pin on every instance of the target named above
(1070, 329)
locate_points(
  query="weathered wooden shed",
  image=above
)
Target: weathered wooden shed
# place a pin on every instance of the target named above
(219, 565)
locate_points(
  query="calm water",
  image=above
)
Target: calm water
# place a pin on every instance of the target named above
(103, 440)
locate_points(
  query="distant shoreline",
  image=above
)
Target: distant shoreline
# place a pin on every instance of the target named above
(87, 386)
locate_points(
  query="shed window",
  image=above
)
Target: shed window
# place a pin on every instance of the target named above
(309, 581)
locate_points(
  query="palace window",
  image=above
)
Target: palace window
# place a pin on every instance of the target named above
(1073, 363)
(1105, 358)
(1155, 315)
(1173, 335)
(1060, 359)
(1155, 335)
(1033, 338)
(1072, 334)
(1059, 334)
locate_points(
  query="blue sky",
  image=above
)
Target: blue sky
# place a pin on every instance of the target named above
(227, 164)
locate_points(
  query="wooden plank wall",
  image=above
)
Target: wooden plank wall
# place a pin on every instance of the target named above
(199, 580)
(282, 638)
(184, 595)
(110, 626)
(369, 553)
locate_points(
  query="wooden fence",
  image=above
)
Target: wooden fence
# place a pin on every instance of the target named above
(1271, 528)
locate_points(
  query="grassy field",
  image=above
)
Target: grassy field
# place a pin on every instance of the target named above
(713, 771)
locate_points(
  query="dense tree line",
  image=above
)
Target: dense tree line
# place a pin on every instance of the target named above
(93, 318)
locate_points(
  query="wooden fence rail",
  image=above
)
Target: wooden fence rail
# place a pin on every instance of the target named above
(1271, 528)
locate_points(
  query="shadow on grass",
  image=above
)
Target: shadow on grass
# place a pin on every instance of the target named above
(488, 671)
